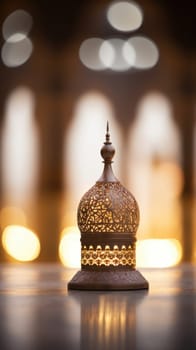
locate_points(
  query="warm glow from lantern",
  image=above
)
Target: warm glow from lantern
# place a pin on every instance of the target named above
(69, 247)
(20, 243)
(158, 253)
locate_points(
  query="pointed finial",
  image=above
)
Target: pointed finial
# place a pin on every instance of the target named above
(107, 153)
(107, 136)
(107, 127)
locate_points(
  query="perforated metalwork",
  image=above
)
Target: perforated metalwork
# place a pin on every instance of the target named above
(108, 207)
(108, 256)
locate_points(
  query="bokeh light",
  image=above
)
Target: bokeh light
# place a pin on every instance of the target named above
(17, 26)
(15, 54)
(129, 54)
(69, 247)
(107, 54)
(89, 53)
(20, 243)
(146, 52)
(158, 253)
(125, 16)
(118, 54)
(114, 56)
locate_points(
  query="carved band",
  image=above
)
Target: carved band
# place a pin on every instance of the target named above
(107, 256)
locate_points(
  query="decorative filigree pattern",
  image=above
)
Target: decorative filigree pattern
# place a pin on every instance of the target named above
(108, 207)
(108, 257)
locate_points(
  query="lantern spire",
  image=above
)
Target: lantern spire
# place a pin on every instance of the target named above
(107, 136)
(107, 153)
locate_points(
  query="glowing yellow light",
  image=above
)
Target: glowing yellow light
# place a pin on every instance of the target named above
(69, 247)
(158, 252)
(12, 216)
(20, 243)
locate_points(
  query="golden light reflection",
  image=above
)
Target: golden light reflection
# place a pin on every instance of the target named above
(158, 253)
(20, 243)
(105, 319)
(12, 216)
(109, 319)
(69, 247)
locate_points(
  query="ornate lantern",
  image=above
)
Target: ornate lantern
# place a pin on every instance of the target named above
(108, 218)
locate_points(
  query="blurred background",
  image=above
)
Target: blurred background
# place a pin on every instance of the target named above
(66, 67)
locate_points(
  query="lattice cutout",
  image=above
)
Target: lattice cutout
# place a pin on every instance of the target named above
(108, 257)
(108, 207)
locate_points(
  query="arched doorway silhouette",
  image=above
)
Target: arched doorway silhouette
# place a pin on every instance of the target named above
(20, 148)
(154, 168)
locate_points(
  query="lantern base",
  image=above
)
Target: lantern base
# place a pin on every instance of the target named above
(108, 280)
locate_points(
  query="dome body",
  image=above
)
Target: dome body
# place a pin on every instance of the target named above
(108, 207)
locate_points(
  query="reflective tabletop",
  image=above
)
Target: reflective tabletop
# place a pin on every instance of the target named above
(38, 312)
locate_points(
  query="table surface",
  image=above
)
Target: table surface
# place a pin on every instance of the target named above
(38, 312)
